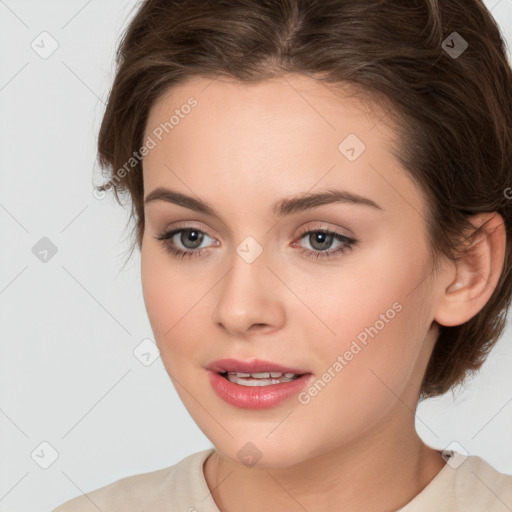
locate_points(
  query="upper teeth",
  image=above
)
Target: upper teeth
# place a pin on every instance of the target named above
(263, 375)
(259, 379)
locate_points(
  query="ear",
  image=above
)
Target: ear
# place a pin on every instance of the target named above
(476, 273)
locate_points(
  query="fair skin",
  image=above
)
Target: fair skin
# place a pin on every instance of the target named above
(353, 446)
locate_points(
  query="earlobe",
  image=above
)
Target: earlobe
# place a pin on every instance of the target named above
(477, 273)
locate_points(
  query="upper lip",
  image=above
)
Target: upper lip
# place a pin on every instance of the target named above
(252, 366)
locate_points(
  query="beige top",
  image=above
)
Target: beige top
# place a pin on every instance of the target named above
(464, 484)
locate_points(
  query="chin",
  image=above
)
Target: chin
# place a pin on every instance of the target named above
(263, 453)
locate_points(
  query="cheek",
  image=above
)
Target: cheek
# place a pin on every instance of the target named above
(369, 372)
(375, 320)
(373, 290)
(169, 297)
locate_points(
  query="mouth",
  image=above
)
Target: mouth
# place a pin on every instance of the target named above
(256, 384)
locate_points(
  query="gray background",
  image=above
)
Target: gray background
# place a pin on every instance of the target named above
(68, 374)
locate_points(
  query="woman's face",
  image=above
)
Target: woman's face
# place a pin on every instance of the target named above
(261, 280)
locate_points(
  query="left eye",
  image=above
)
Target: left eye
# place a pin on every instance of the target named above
(320, 240)
(191, 240)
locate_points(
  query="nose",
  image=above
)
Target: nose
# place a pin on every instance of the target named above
(250, 298)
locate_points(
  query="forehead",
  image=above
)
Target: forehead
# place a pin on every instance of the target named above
(298, 96)
(283, 134)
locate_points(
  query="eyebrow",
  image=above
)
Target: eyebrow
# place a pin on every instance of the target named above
(281, 208)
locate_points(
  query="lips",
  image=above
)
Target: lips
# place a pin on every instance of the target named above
(252, 366)
(256, 384)
(260, 397)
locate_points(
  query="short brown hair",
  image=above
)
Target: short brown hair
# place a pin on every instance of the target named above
(453, 112)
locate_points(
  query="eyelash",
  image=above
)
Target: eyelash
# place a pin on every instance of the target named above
(166, 240)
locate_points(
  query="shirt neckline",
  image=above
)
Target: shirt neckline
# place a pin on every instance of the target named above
(448, 456)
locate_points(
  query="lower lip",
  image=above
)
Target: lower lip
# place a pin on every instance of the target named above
(256, 397)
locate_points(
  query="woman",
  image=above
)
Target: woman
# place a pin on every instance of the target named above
(319, 191)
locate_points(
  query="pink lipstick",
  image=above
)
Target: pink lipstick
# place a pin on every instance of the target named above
(255, 384)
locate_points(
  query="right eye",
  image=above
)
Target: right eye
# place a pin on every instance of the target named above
(190, 238)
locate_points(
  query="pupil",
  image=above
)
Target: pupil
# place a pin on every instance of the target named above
(324, 240)
(191, 236)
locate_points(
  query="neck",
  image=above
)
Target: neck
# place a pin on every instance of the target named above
(381, 471)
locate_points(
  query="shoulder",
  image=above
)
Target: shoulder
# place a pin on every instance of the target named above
(465, 483)
(479, 483)
(178, 482)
